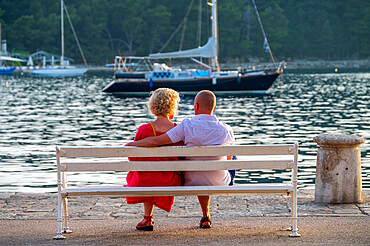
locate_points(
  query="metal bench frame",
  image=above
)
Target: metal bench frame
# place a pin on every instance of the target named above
(90, 160)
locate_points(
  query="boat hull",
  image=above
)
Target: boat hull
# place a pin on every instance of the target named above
(129, 75)
(5, 71)
(59, 72)
(242, 84)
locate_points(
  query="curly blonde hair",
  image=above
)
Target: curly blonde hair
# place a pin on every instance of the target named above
(164, 102)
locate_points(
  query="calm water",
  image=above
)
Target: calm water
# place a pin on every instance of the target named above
(38, 113)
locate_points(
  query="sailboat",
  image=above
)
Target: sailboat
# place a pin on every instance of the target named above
(188, 81)
(5, 70)
(62, 70)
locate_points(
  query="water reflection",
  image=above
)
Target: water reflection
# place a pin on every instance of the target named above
(38, 113)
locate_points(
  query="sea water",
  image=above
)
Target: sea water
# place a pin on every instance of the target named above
(36, 114)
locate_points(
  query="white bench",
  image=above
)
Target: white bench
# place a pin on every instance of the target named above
(99, 159)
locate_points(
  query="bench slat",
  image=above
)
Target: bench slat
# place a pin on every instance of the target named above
(259, 164)
(121, 191)
(219, 150)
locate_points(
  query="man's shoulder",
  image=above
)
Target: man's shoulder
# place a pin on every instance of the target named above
(185, 121)
(224, 125)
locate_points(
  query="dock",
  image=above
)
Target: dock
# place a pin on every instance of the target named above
(30, 219)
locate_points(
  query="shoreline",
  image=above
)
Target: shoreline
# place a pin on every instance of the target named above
(308, 64)
(291, 65)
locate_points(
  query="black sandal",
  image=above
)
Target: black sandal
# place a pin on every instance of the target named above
(205, 223)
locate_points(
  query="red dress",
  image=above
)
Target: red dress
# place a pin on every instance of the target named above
(147, 178)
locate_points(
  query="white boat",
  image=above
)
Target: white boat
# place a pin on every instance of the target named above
(61, 70)
(188, 81)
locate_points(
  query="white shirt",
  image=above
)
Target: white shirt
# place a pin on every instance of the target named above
(203, 130)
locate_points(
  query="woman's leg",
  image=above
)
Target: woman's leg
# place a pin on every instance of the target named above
(147, 224)
(148, 208)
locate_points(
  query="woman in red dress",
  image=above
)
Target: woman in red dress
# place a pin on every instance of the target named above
(163, 104)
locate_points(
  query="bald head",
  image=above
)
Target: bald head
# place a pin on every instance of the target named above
(205, 102)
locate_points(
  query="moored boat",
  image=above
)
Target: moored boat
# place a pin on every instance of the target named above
(127, 80)
(59, 71)
(4, 71)
(191, 80)
(63, 69)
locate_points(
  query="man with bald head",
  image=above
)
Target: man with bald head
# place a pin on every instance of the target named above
(202, 130)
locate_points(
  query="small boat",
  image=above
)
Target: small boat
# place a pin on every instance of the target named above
(6, 71)
(62, 70)
(188, 81)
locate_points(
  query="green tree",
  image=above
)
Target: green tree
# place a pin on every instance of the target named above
(276, 26)
(22, 35)
(232, 38)
(156, 24)
(315, 29)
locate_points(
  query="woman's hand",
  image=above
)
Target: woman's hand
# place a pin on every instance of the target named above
(130, 144)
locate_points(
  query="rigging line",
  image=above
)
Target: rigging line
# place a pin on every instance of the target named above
(1, 45)
(74, 33)
(184, 26)
(263, 31)
(207, 15)
(199, 34)
(174, 33)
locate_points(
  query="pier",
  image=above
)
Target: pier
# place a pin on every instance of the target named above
(30, 218)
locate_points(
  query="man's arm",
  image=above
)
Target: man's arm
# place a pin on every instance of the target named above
(152, 141)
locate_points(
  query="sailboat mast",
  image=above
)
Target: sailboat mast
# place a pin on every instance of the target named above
(1, 44)
(266, 42)
(62, 32)
(215, 33)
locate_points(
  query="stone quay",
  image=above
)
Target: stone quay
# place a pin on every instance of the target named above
(31, 219)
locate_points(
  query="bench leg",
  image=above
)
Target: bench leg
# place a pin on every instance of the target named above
(60, 221)
(290, 228)
(65, 210)
(294, 216)
(59, 183)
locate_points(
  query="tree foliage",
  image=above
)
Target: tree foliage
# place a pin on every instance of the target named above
(315, 29)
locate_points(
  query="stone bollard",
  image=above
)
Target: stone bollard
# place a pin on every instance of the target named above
(338, 169)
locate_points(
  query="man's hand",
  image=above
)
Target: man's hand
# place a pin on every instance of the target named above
(151, 141)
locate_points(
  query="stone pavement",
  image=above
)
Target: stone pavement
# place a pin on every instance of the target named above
(28, 218)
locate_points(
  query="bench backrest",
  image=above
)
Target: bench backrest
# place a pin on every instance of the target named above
(250, 157)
